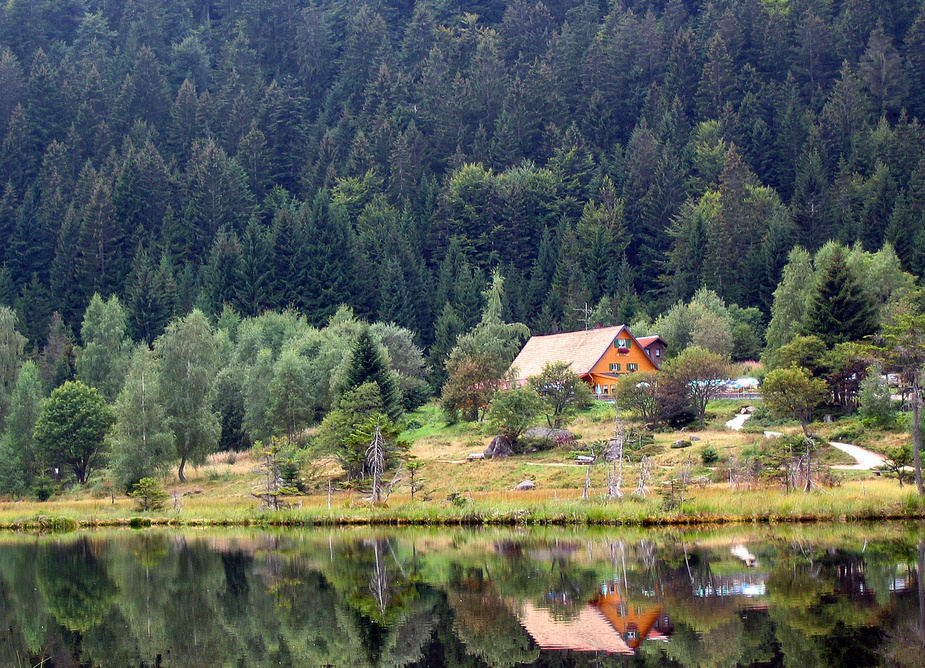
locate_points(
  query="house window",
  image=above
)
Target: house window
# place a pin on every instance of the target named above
(658, 352)
(622, 343)
(615, 367)
(632, 367)
(605, 389)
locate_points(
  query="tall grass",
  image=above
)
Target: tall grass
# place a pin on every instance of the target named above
(873, 500)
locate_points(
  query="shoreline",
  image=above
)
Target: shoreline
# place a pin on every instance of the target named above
(753, 507)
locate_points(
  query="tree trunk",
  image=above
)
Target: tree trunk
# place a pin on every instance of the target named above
(916, 436)
(180, 470)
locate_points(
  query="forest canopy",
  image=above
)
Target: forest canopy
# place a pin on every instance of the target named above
(390, 156)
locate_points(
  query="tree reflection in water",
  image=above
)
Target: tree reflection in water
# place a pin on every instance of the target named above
(804, 597)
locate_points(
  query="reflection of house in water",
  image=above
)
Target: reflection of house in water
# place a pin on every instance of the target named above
(607, 624)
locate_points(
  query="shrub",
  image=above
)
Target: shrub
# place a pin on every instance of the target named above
(148, 495)
(44, 488)
(849, 431)
(709, 455)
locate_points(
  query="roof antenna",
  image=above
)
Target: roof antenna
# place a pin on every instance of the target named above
(586, 312)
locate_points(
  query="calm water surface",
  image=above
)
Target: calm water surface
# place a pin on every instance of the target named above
(794, 596)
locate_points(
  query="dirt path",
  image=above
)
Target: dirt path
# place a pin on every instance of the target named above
(736, 423)
(867, 460)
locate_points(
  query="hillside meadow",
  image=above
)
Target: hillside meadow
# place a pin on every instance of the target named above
(451, 489)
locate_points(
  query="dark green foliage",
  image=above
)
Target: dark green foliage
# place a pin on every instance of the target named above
(71, 428)
(709, 455)
(840, 310)
(193, 155)
(368, 365)
(342, 433)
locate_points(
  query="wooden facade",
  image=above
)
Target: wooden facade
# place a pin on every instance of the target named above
(598, 356)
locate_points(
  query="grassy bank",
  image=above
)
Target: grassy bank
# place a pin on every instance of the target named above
(714, 504)
(455, 491)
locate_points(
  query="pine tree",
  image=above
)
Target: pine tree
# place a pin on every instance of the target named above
(101, 259)
(368, 363)
(839, 310)
(220, 275)
(57, 361)
(684, 265)
(255, 271)
(882, 74)
(148, 298)
(330, 248)
(719, 80)
(915, 57)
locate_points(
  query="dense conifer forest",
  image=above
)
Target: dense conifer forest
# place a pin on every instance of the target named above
(716, 172)
(389, 155)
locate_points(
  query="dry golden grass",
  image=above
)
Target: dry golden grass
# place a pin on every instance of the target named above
(457, 490)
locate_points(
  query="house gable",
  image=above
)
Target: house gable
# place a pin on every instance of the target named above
(596, 355)
(618, 360)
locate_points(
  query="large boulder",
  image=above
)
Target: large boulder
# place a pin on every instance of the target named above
(525, 485)
(548, 437)
(499, 447)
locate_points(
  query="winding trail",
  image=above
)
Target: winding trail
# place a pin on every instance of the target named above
(866, 460)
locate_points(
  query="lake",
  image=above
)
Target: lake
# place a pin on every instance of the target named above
(816, 595)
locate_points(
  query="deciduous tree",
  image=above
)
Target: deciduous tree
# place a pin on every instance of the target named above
(794, 393)
(512, 412)
(702, 372)
(71, 429)
(563, 393)
(189, 361)
(142, 445)
(903, 350)
(102, 360)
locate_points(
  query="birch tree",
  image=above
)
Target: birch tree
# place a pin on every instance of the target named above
(189, 361)
(141, 442)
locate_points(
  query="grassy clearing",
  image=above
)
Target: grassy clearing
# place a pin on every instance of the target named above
(853, 501)
(460, 492)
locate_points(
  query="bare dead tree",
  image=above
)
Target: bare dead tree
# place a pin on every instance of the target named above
(379, 579)
(645, 475)
(613, 455)
(375, 458)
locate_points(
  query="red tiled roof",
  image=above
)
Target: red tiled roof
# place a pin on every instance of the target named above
(646, 341)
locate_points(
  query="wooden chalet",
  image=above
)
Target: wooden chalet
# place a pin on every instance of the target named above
(598, 356)
(607, 624)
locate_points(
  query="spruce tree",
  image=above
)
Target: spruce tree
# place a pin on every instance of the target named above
(839, 310)
(148, 298)
(368, 363)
